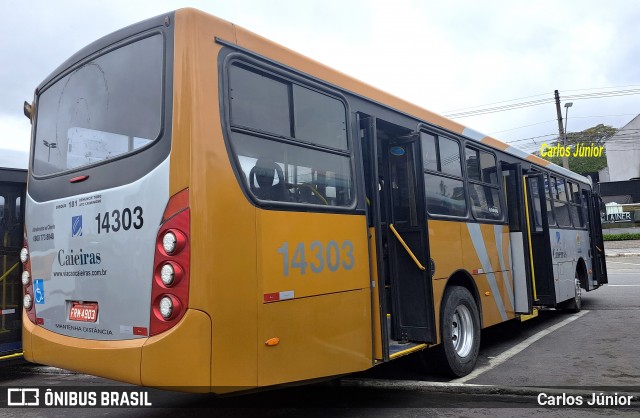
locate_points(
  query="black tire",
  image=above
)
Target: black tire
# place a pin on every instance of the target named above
(459, 332)
(574, 305)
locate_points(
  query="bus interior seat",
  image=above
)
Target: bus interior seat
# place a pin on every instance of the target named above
(261, 179)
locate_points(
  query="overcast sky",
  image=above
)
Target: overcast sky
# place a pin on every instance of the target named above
(441, 55)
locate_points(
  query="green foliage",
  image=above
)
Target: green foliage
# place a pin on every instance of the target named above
(596, 135)
(582, 165)
(621, 237)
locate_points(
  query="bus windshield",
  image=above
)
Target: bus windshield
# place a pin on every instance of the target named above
(109, 106)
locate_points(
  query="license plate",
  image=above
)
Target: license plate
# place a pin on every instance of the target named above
(85, 312)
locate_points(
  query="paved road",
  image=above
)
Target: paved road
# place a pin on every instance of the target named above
(600, 349)
(622, 248)
(578, 355)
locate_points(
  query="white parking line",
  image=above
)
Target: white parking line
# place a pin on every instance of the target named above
(623, 285)
(516, 349)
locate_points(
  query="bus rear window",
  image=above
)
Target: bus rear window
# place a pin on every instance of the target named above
(107, 107)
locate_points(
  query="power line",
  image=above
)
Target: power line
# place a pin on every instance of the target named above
(555, 120)
(500, 108)
(604, 88)
(520, 127)
(536, 95)
(520, 105)
(494, 103)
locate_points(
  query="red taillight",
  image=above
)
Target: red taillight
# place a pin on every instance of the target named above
(176, 221)
(28, 289)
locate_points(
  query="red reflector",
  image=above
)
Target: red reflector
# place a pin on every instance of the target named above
(278, 296)
(271, 297)
(40, 321)
(140, 331)
(177, 203)
(78, 179)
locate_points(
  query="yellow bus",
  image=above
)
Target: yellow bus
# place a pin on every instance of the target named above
(210, 211)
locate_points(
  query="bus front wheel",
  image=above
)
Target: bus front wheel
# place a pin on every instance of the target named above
(459, 332)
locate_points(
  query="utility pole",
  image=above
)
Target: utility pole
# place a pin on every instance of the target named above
(563, 138)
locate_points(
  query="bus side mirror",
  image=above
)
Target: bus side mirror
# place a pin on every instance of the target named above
(28, 110)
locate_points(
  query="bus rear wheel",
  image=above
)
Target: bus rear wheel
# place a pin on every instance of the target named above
(575, 304)
(459, 332)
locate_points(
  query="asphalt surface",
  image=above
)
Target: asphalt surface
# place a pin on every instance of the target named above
(622, 248)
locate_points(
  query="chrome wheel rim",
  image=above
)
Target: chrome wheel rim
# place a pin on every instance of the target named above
(578, 294)
(462, 331)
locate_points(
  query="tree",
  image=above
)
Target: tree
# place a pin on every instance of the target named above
(597, 136)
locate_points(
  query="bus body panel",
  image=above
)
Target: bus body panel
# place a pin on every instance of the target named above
(376, 309)
(117, 360)
(97, 248)
(310, 254)
(179, 357)
(568, 246)
(485, 258)
(223, 221)
(319, 336)
(519, 272)
(482, 251)
(314, 297)
(314, 274)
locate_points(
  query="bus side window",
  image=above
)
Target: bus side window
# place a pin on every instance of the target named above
(547, 190)
(444, 186)
(298, 174)
(484, 189)
(561, 205)
(290, 140)
(513, 206)
(575, 205)
(535, 203)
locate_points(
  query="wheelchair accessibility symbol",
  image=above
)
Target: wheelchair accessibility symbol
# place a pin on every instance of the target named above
(38, 291)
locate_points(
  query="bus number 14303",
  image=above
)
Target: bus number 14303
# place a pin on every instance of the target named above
(116, 220)
(333, 256)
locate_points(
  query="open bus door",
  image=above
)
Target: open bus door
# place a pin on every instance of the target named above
(540, 260)
(397, 219)
(519, 238)
(593, 205)
(408, 249)
(403, 227)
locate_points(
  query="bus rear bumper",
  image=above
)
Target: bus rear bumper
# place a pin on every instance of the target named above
(179, 359)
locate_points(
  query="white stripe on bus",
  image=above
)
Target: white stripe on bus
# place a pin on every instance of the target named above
(483, 256)
(497, 231)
